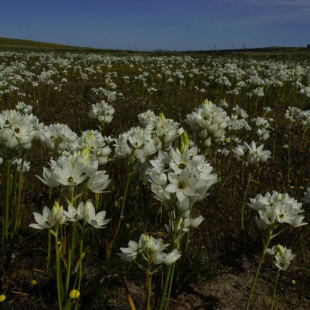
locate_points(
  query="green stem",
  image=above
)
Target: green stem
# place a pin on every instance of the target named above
(169, 274)
(80, 265)
(59, 283)
(17, 212)
(121, 213)
(244, 199)
(7, 204)
(166, 283)
(148, 286)
(275, 290)
(270, 236)
(48, 250)
(170, 285)
(69, 258)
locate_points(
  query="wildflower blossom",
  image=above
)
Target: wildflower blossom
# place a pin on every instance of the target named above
(150, 248)
(96, 220)
(254, 154)
(207, 122)
(277, 208)
(282, 255)
(74, 294)
(49, 218)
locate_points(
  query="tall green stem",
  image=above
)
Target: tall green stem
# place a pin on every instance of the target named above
(69, 258)
(122, 212)
(244, 199)
(270, 236)
(80, 264)
(169, 274)
(166, 283)
(48, 250)
(7, 203)
(17, 211)
(170, 285)
(59, 283)
(148, 287)
(275, 290)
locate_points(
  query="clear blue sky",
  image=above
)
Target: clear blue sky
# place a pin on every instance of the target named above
(158, 24)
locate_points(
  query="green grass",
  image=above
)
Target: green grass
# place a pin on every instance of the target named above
(7, 43)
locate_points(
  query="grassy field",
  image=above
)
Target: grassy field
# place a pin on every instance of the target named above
(120, 115)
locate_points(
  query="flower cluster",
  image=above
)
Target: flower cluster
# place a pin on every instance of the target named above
(72, 170)
(17, 130)
(207, 122)
(282, 255)
(263, 126)
(151, 249)
(238, 119)
(164, 131)
(57, 137)
(180, 179)
(57, 216)
(277, 208)
(298, 116)
(135, 144)
(103, 112)
(253, 154)
(94, 144)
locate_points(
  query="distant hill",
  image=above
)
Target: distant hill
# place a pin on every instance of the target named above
(272, 51)
(7, 43)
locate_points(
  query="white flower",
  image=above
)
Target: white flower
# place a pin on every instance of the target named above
(136, 144)
(21, 165)
(256, 154)
(98, 182)
(160, 257)
(239, 151)
(69, 171)
(306, 198)
(49, 178)
(283, 256)
(45, 220)
(129, 254)
(49, 218)
(183, 185)
(151, 249)
(253, 154)
(195, 222)
(75, 214)
(277, 208)
(96, 220)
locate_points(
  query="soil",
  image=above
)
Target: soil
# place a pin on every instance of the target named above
(229, 290)
(226, 289)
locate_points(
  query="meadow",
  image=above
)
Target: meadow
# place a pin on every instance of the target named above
(128, 179)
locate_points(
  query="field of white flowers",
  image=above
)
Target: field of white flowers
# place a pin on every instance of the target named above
(163, 170)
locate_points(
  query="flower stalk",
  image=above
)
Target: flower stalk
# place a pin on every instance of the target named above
(272, 306)
(269, 238)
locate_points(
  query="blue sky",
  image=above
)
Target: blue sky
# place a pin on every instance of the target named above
(159, 24)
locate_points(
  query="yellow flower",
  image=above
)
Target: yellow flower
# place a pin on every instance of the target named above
(293, 282)
(74, 294)
(33, 282)
(2, 298)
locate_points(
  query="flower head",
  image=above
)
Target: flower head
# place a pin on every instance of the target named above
(96, 220)
(74, 294)
(49, 218)
(283, 256)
